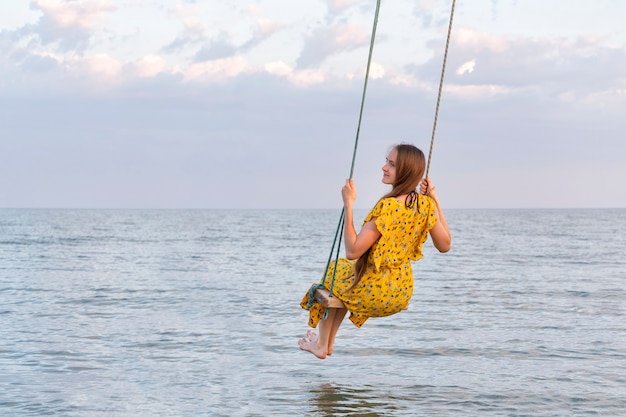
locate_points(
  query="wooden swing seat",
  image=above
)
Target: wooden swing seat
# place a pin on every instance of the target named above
(322, 295)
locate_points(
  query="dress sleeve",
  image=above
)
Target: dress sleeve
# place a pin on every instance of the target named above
(377, 211)
(426, 221)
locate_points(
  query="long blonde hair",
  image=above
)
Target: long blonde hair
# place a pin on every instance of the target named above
(410, 167)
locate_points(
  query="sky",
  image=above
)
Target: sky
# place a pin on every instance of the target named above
(244, 104)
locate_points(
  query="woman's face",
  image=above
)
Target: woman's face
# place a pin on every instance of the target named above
(389, 169)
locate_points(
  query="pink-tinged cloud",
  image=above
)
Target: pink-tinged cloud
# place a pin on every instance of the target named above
(68, 24)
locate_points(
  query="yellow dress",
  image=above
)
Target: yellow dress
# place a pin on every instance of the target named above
(387, 284)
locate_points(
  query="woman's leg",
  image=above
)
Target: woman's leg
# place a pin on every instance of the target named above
(340, 313)
(327, 331)
(339, 316)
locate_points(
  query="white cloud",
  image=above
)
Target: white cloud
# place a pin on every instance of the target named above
(469, 38)
(79, 14)
(65, 26)
(216, 70)
(327, 41)
(101, 66)
(349, 36)
(301, 78)
(404, 80)
(377, 71)
(476, 91)
(466, 67)
(194, 27)
(262, 30)
(278, 68)
(266, 27)
(558, 67)
(97, 68)
(184, 11)
(306, 78)
(337, 6)
(253, 10)
(150, 65)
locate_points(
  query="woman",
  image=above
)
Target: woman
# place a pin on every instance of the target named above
(380, 282)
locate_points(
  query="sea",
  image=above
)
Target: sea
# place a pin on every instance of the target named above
(196, 313)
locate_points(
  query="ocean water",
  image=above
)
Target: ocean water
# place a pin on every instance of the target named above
(195, 313)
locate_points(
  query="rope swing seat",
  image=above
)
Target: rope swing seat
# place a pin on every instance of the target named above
(318, 292)
(326, 299)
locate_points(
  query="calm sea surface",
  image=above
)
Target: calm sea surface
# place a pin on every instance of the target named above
(195, 313)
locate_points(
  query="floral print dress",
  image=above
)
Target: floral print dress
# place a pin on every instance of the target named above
(387, 284)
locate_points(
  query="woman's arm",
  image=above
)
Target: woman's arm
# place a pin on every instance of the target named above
(356, 243)
(440, 233)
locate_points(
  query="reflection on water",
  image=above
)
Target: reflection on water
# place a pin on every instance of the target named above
(331, 400)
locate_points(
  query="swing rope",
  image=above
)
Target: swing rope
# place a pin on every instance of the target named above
(339, 231)
(443, 71)
(336, 247)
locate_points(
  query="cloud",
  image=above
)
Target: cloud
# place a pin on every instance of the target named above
(377, 71)
(266, 28)
(150, 66)
(300, 78)
(327, 41)
(114, 118)
(38, 63)
(466, 67)
(100, 65)
(222, 45)
(218, 48)
(339, 6)
(488, 64)
(278, 68)
(426, 12)
(193, 30)
(263, 30)
(217, 69)
(73, 14)
(68, 24)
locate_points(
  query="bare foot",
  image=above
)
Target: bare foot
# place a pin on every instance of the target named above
(310, 346)
(313, 337)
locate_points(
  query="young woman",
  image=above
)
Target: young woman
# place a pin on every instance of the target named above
(380, 282)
